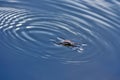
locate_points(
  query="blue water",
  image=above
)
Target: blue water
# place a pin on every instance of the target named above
(29, 31)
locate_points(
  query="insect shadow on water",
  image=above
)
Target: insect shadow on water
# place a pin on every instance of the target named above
(76, 46)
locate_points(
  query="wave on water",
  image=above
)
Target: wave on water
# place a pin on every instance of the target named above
(34, 30)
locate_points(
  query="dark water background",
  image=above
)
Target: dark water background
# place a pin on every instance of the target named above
(29, 30)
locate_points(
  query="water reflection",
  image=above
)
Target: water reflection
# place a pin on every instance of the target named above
(32, 29)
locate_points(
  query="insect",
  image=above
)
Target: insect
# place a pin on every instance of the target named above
(68, 43)
(77, 46)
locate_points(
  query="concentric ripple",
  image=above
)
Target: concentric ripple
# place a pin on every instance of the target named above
(35, 32)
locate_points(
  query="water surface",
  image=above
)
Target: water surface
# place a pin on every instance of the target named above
(29, 31)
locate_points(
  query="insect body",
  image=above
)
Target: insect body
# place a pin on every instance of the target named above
(67, 43)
